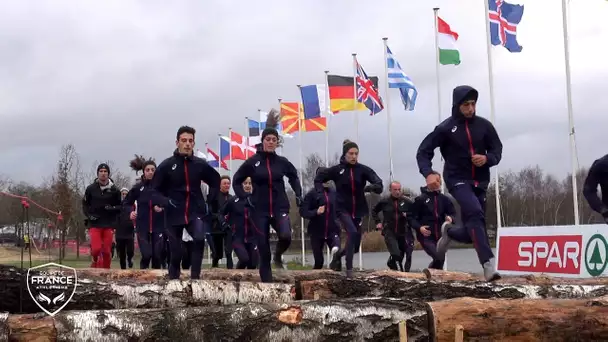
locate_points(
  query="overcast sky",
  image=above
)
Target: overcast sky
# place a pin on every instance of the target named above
(118, 77)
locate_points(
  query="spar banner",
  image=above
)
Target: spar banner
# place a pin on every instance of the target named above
(561, 251)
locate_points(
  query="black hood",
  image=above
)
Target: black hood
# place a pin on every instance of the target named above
(177, 154)
(425, 190)
(460, 95)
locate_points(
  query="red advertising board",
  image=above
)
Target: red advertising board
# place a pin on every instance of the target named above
(541, 254)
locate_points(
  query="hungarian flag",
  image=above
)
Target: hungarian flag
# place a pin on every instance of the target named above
(290, 120)
(342, 93)
(446, 41)
(239, 147)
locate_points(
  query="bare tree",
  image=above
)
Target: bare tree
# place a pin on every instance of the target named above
(312, 163)
(119, 178)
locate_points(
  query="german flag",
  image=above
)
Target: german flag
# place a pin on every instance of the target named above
(342, 93)
(290, 119)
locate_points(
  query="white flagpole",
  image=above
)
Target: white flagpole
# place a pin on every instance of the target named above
(247, 152)
(573, 154)
(437, 64)
(301, 184)
(357, 138)
(218, 170)
(327, 115)
(492, 110)
(280, 111)
(230, 161)
(219, 151)
(388, 113)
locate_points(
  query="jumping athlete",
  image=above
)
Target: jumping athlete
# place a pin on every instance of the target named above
(469, 145)
(598, 175)
(350, 178)
(396, 227)
(149, 219)
(430, 210)
(124, 234)
(221, 237)
(322, 226)
(269, 198)
(177, 182)
(101, 207)
(236, 216)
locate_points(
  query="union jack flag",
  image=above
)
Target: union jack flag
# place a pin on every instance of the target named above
(504, 18)
(367, 93)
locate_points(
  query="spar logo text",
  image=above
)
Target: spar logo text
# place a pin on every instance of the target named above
(541, 254)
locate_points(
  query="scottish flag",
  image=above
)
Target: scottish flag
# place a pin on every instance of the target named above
(398, 79)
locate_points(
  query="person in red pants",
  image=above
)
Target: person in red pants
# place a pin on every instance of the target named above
(101, 206)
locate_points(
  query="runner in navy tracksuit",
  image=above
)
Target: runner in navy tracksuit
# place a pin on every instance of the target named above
(222, 238)
(269, 198)
(236, 217)
(598, 175)
(177, 182)
(322, 226)
(430, 210)
(350, 178)
(124, 234)
(469, 145)
(396, 227)
(149, 221)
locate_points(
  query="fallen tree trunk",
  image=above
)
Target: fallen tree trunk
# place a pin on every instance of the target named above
(345, 320)
(440, 275)
(122, 293)
(520, 320)
(385, 286)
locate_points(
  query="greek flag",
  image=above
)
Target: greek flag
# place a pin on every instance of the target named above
(398, 79)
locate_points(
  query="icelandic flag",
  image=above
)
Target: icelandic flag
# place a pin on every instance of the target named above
(367, 92)
(504, 18)
(314, 101)
(398, 79)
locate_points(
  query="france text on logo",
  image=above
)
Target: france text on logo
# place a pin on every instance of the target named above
(51, 286)
(595, 255)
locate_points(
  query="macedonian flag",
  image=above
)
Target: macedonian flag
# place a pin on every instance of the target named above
(290, 120)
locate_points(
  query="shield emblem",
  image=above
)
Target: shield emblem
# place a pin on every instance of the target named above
(51, 286)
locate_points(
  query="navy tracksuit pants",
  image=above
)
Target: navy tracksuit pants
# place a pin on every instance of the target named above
(400, 246)
(429, 245)
(472, 201)
(352, 225)
(317, 243)
(247, 252)
(199, 230)
(282, 226)
(152, 248)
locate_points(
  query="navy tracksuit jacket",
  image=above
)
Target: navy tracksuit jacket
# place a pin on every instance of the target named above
(177, 184)
(351, 205)
(598, 175)
(458, 139)
(269, 199)
(237, 214)
(322, 229)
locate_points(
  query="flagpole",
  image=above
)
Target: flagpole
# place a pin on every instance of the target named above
(573, 154)
(492, 111)
(247, 139)
(356, 136)
(230, 164)
(280, 100)
(218, 170)
(301, 184)
(388, 113)
(438, 77)
(327, 115)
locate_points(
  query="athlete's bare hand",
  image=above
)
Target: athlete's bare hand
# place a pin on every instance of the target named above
(133, 215)
(321, 210)
(479, 160)
(425, 230)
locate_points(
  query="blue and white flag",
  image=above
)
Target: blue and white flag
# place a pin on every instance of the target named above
(398, 79)
(314, 101)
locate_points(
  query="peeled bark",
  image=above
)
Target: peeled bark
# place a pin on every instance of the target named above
(440, 275)
(386, 286)
(364, 319)
(521, 320)
(115, 292)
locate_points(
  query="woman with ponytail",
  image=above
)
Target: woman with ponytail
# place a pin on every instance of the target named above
(149, 221)
(350, 178)
(269, 199)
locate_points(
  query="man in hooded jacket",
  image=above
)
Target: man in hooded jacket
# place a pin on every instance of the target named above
(598, 175)
(101, 206)
(469, 145)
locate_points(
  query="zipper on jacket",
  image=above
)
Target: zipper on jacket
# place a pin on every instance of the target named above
(269, 185)
(326, 214)
(150, 205)
(352, 186)
(246, 224)
(466, 127)
(187, 191)
(436, 219)
(396, 214)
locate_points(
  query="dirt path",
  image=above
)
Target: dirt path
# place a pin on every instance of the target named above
(14, 253)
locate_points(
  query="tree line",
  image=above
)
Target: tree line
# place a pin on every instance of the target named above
(529, 197)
